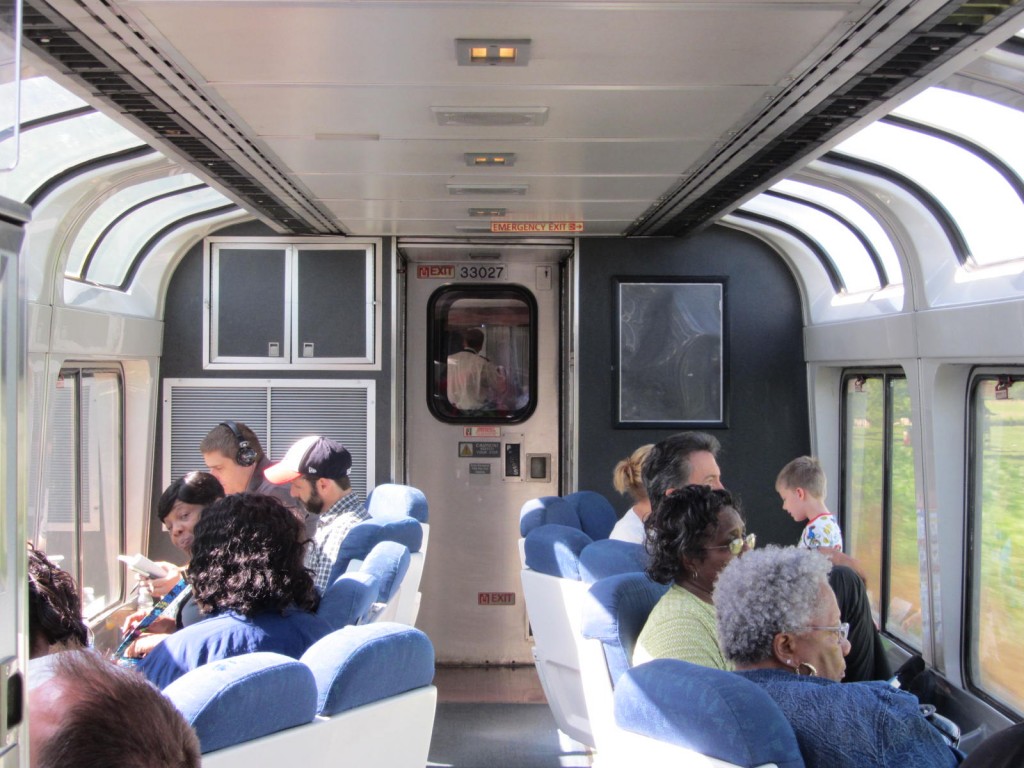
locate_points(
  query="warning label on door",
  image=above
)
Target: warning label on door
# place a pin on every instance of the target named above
(479, 450)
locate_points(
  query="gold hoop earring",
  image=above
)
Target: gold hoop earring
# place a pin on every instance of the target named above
(810, 669)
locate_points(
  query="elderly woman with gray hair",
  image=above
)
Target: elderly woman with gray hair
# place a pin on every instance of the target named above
(779, 624)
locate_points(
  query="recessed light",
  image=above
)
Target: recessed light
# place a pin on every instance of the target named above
(492, 53)
(478, 159)
(488, 213)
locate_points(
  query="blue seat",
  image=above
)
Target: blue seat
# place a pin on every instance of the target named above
(670, 706)
(226, 701)
(348, 600)
(595, 513)
(392, 501)
(547, 510)
(388, 561)
(614, 610)
(358, 665)
(366, 535)
(608, 557)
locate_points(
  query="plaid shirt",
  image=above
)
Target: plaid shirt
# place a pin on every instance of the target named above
(331, 529)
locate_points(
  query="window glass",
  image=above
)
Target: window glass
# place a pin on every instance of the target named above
(113, 207)
(82, 528)
(907, 540)
(954, 176)
(997, 552)
(482, 353)
(49, 150)
(844, 249)
(857, 215)
(864, 460)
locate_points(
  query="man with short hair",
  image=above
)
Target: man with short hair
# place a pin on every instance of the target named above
(317, 469)
(93, 714)
(686, 458)
(473, 380)
(234, 456)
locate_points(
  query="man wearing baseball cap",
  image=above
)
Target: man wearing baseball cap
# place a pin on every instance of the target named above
(317, 468)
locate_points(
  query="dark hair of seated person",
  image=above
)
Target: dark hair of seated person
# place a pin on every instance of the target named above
(248, 557)
(194, 488)
(54, 608)
(682, 524)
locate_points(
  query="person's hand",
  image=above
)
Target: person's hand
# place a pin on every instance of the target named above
(131, 621)
(165, 584)
(144, 644)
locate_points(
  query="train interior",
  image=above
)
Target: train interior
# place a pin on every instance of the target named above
(794, 225)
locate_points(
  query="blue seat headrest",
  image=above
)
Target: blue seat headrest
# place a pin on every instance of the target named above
(391, 501)
(225, 701)
(388, 562)
(358, 665)
(718, 714)
(615, 609)
(608, 557)
(555, 550)
(547, 510)
(595, 513)
(348, 599)
(364, 536)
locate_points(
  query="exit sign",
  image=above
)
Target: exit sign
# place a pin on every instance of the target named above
(496, 598)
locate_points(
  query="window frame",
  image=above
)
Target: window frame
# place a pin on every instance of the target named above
(437, 350)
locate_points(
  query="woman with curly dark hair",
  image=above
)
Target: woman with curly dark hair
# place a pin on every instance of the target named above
(247, 575)
(54, 608)
(692, 535)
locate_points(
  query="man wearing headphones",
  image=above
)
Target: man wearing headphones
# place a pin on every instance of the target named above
(235, 457)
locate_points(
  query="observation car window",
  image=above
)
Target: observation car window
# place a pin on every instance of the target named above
(996, 476)
(954, 176)
(83, 522)
(482, 353)
(107, 213)
(879, 499)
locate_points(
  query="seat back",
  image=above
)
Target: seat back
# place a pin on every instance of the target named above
(595, 513)
(366, 535)
(388, 561)
(358, 665)
(614, 610)
(226, 701)
(552, 590)
(608, 557)
(701, 710)
(392, 501)
(348, 600)
(547, 510)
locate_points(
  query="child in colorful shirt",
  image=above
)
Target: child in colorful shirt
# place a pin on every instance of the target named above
(801, 484)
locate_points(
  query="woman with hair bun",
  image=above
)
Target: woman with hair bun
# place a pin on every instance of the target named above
(627, 477)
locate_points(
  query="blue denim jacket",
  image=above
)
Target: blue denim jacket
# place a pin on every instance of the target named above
(854, 725)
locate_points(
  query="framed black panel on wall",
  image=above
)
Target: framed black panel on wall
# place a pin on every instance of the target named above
(670, 355)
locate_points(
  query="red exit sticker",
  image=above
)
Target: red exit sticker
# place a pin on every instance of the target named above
(435, 271)
(496, 598)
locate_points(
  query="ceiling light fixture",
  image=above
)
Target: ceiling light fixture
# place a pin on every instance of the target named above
(477, 159)
(488, 213)
(492, 53)
(490, 117)
(487, 189)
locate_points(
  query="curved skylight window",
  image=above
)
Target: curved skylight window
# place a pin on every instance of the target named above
(106, 215)
(848, 254)
(983, 204)
(126, 240)
(996, 127)
(857, 215)
(50, 149)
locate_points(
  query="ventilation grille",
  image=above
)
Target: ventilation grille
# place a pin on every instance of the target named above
(54, 38)
(279, 414)
(947, 33)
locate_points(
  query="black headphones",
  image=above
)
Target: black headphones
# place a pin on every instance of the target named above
(246, 455)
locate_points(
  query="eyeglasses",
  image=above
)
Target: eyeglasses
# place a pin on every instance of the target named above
(843, 630)
(736, 545)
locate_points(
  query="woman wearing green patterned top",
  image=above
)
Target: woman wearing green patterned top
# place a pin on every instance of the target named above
(693, 534)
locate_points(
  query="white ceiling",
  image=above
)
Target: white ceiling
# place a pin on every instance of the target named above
(336, 97)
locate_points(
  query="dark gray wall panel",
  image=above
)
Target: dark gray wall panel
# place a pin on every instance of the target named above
(767, 381)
